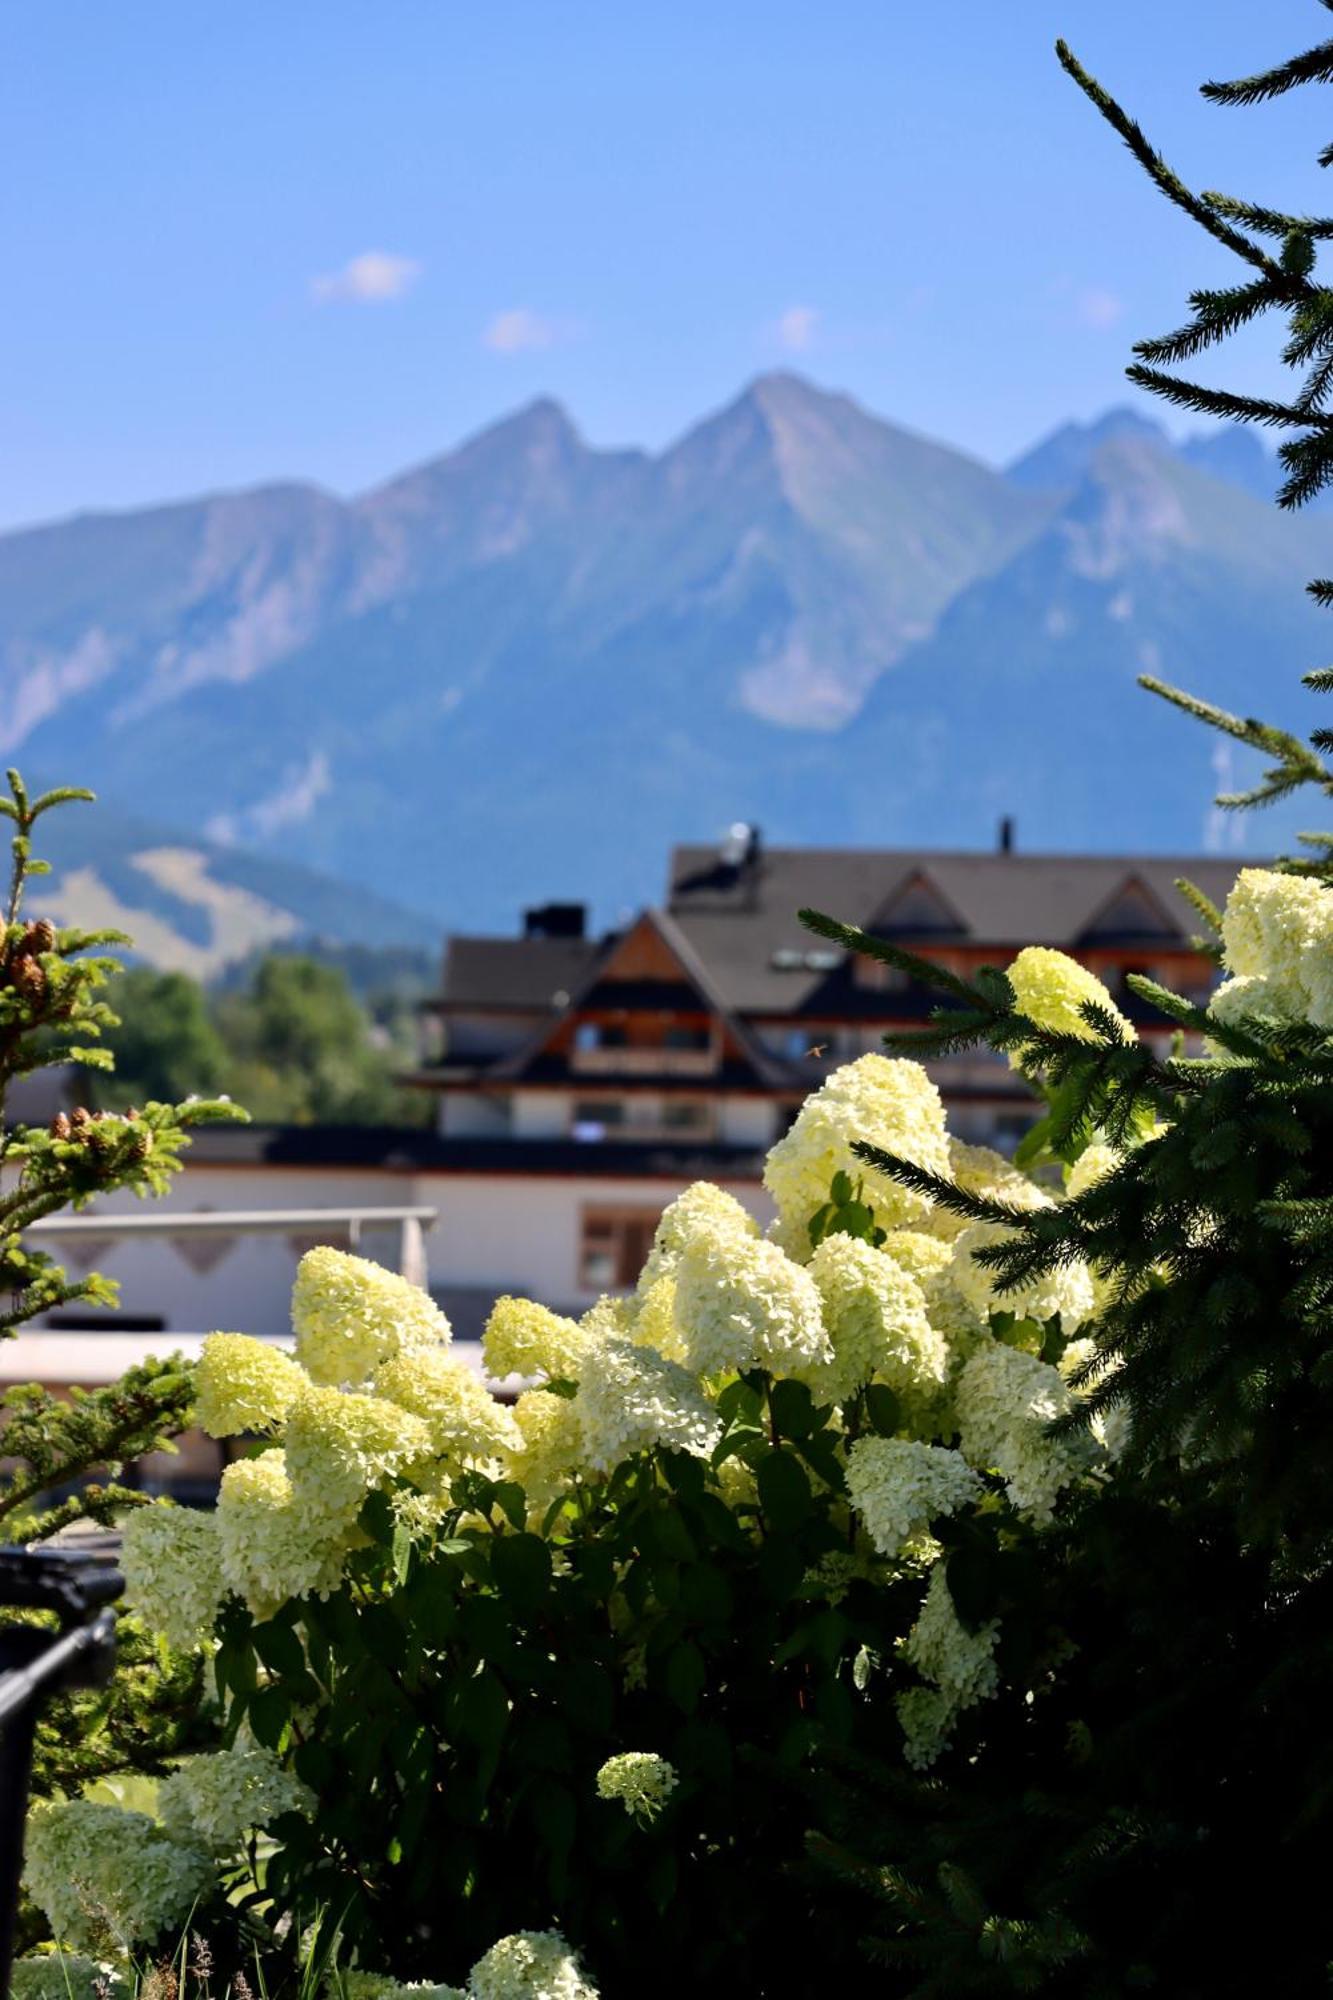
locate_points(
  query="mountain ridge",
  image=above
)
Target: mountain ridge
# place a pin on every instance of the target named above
(796, 612)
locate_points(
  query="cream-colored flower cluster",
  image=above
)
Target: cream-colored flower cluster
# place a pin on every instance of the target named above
(350, 1316)
(172, 1559)
(68, 1975)
(107, 1879)
(640, 1779)
(960, 1664)
(887, 1103)
(530, 1965)
(1052, 990)
(876, 1318)
(217, 1800)
(899, 1486)
(375, 1403)
(1004, 1401)
(1277, 941)
(244, 1385)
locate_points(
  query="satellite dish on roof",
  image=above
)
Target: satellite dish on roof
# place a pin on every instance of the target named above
(739, 844)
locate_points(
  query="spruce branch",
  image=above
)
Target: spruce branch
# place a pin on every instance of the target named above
(1314, 66)
(1162, 175)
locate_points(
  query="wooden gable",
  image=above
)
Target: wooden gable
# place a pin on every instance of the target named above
(1132, 913)
(917, 908)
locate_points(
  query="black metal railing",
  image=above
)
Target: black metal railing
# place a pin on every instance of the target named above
(36, 1662)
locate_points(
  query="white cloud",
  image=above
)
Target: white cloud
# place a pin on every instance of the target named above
(797, 327)
(520, 331)
(370, 279)
(1098, 309)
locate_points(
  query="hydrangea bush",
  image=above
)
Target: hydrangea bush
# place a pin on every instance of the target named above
(538, 1665)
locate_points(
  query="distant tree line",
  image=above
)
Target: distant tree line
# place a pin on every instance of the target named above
(287, 1036)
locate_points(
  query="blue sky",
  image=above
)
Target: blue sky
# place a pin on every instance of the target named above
(327, 240)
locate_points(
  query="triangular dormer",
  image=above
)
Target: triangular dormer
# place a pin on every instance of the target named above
(917, 908)
(1132, 914)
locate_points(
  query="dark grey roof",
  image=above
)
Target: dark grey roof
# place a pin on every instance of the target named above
(523, 973)
(743, 925)
(407, 1150)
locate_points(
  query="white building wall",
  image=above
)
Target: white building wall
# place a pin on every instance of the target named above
(493, 1233)
(540, 1114)
(240, 1284)
(523, 1233)
(748, 1121)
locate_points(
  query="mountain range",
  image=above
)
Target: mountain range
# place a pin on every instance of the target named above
(525, 668)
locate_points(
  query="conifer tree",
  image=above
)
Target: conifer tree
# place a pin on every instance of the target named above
(63, 1455)
(1149, 1813)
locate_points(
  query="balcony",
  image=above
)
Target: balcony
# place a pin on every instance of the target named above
(639, 1061)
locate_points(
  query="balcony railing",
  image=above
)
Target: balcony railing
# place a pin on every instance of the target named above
(643, 1062)
(349, 1223)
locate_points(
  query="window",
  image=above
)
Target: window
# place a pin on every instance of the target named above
(594, 1117)
(680, 1036)
(687, 1114)
(614, 1245)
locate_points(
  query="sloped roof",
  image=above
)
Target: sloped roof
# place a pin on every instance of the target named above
(740, 922)
(523, 973)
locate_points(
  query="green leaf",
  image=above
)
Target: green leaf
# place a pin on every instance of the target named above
(521, 1570)
(586, 1696)
(883, 1410)
(705, 1594)
(685, 1676)
(793, 1409)
(784, 1491)
(974, 1578)
(402, 1551)
(268, 1714)
(481, 1714)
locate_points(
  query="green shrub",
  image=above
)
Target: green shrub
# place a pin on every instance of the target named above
(556, 1666)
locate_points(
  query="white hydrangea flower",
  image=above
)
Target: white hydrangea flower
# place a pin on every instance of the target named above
(553, 1449)
(382, 1986)
(215, 1799)
(923, 1256)
(462, 1418)
(885, 1102)
(875, 1316)
(1051, 988)
(702, 1208)
(524, 1338)
(1093, 1164)
(631, 1399)
(531, 1965)
(741, 1303)
(172, 1560)
(350, 1315)
(107, 1878)
(1004, 1400)
(1238, 1000)
(653, 1319)
(979, 1170)
(1067, 1290)
(244, 1385)
(899, 1487)
(65, 1975)
(341, 1446)
(640, 1779)
(959, 1662)
(927, 1716)
(271, 1552)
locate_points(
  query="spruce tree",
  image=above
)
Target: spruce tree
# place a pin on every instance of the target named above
(63, 1455)
(1146, 1806)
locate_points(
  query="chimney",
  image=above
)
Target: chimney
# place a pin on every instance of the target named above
(1005, 844)
(556, 920)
